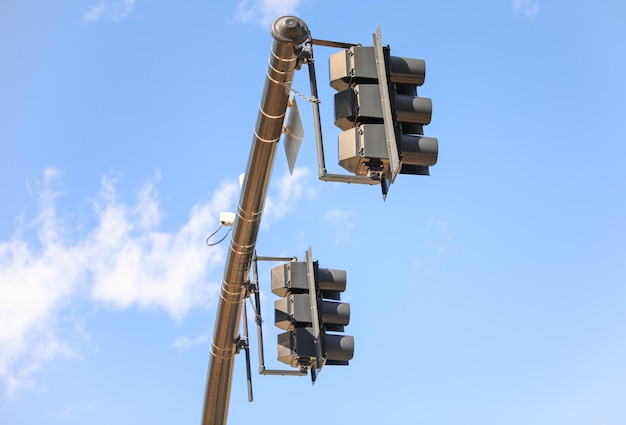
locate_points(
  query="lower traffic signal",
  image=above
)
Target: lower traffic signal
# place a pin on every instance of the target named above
(311, 313)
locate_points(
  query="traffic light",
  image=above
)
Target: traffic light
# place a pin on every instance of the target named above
(330, 283)
(381, 116)
(310, 310)
(411, 114)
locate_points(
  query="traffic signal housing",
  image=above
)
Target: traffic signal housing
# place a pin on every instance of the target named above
(310, 311)
(380, 114)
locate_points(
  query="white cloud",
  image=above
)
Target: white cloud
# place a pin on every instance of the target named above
(115, 10)
(525, 8)
(264, 12)
(123, 261)
(33, 286)
(138, 265)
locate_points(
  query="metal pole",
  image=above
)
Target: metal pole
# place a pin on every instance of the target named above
(289, 33)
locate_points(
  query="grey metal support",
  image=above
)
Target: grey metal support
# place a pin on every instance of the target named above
(246, 347)
(317, 334)
(394, 160)
(289, 34)
(259, 322)
(322, 172)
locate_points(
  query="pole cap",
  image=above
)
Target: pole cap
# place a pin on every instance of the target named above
(289, 29)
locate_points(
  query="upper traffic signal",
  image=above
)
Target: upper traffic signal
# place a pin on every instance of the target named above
(380, 113)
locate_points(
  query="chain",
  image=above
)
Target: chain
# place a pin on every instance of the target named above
(257, 316)
(308, 99)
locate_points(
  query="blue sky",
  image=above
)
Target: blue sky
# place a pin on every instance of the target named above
(491, 292)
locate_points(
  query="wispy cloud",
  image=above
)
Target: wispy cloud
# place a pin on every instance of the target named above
(343, 221)
(114, 10)
(264, 12)
(525, 8)
(443, 240)
(184, 342)
(290, 189)
(122, 261)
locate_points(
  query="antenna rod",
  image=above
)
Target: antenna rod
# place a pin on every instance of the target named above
(289, 33)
